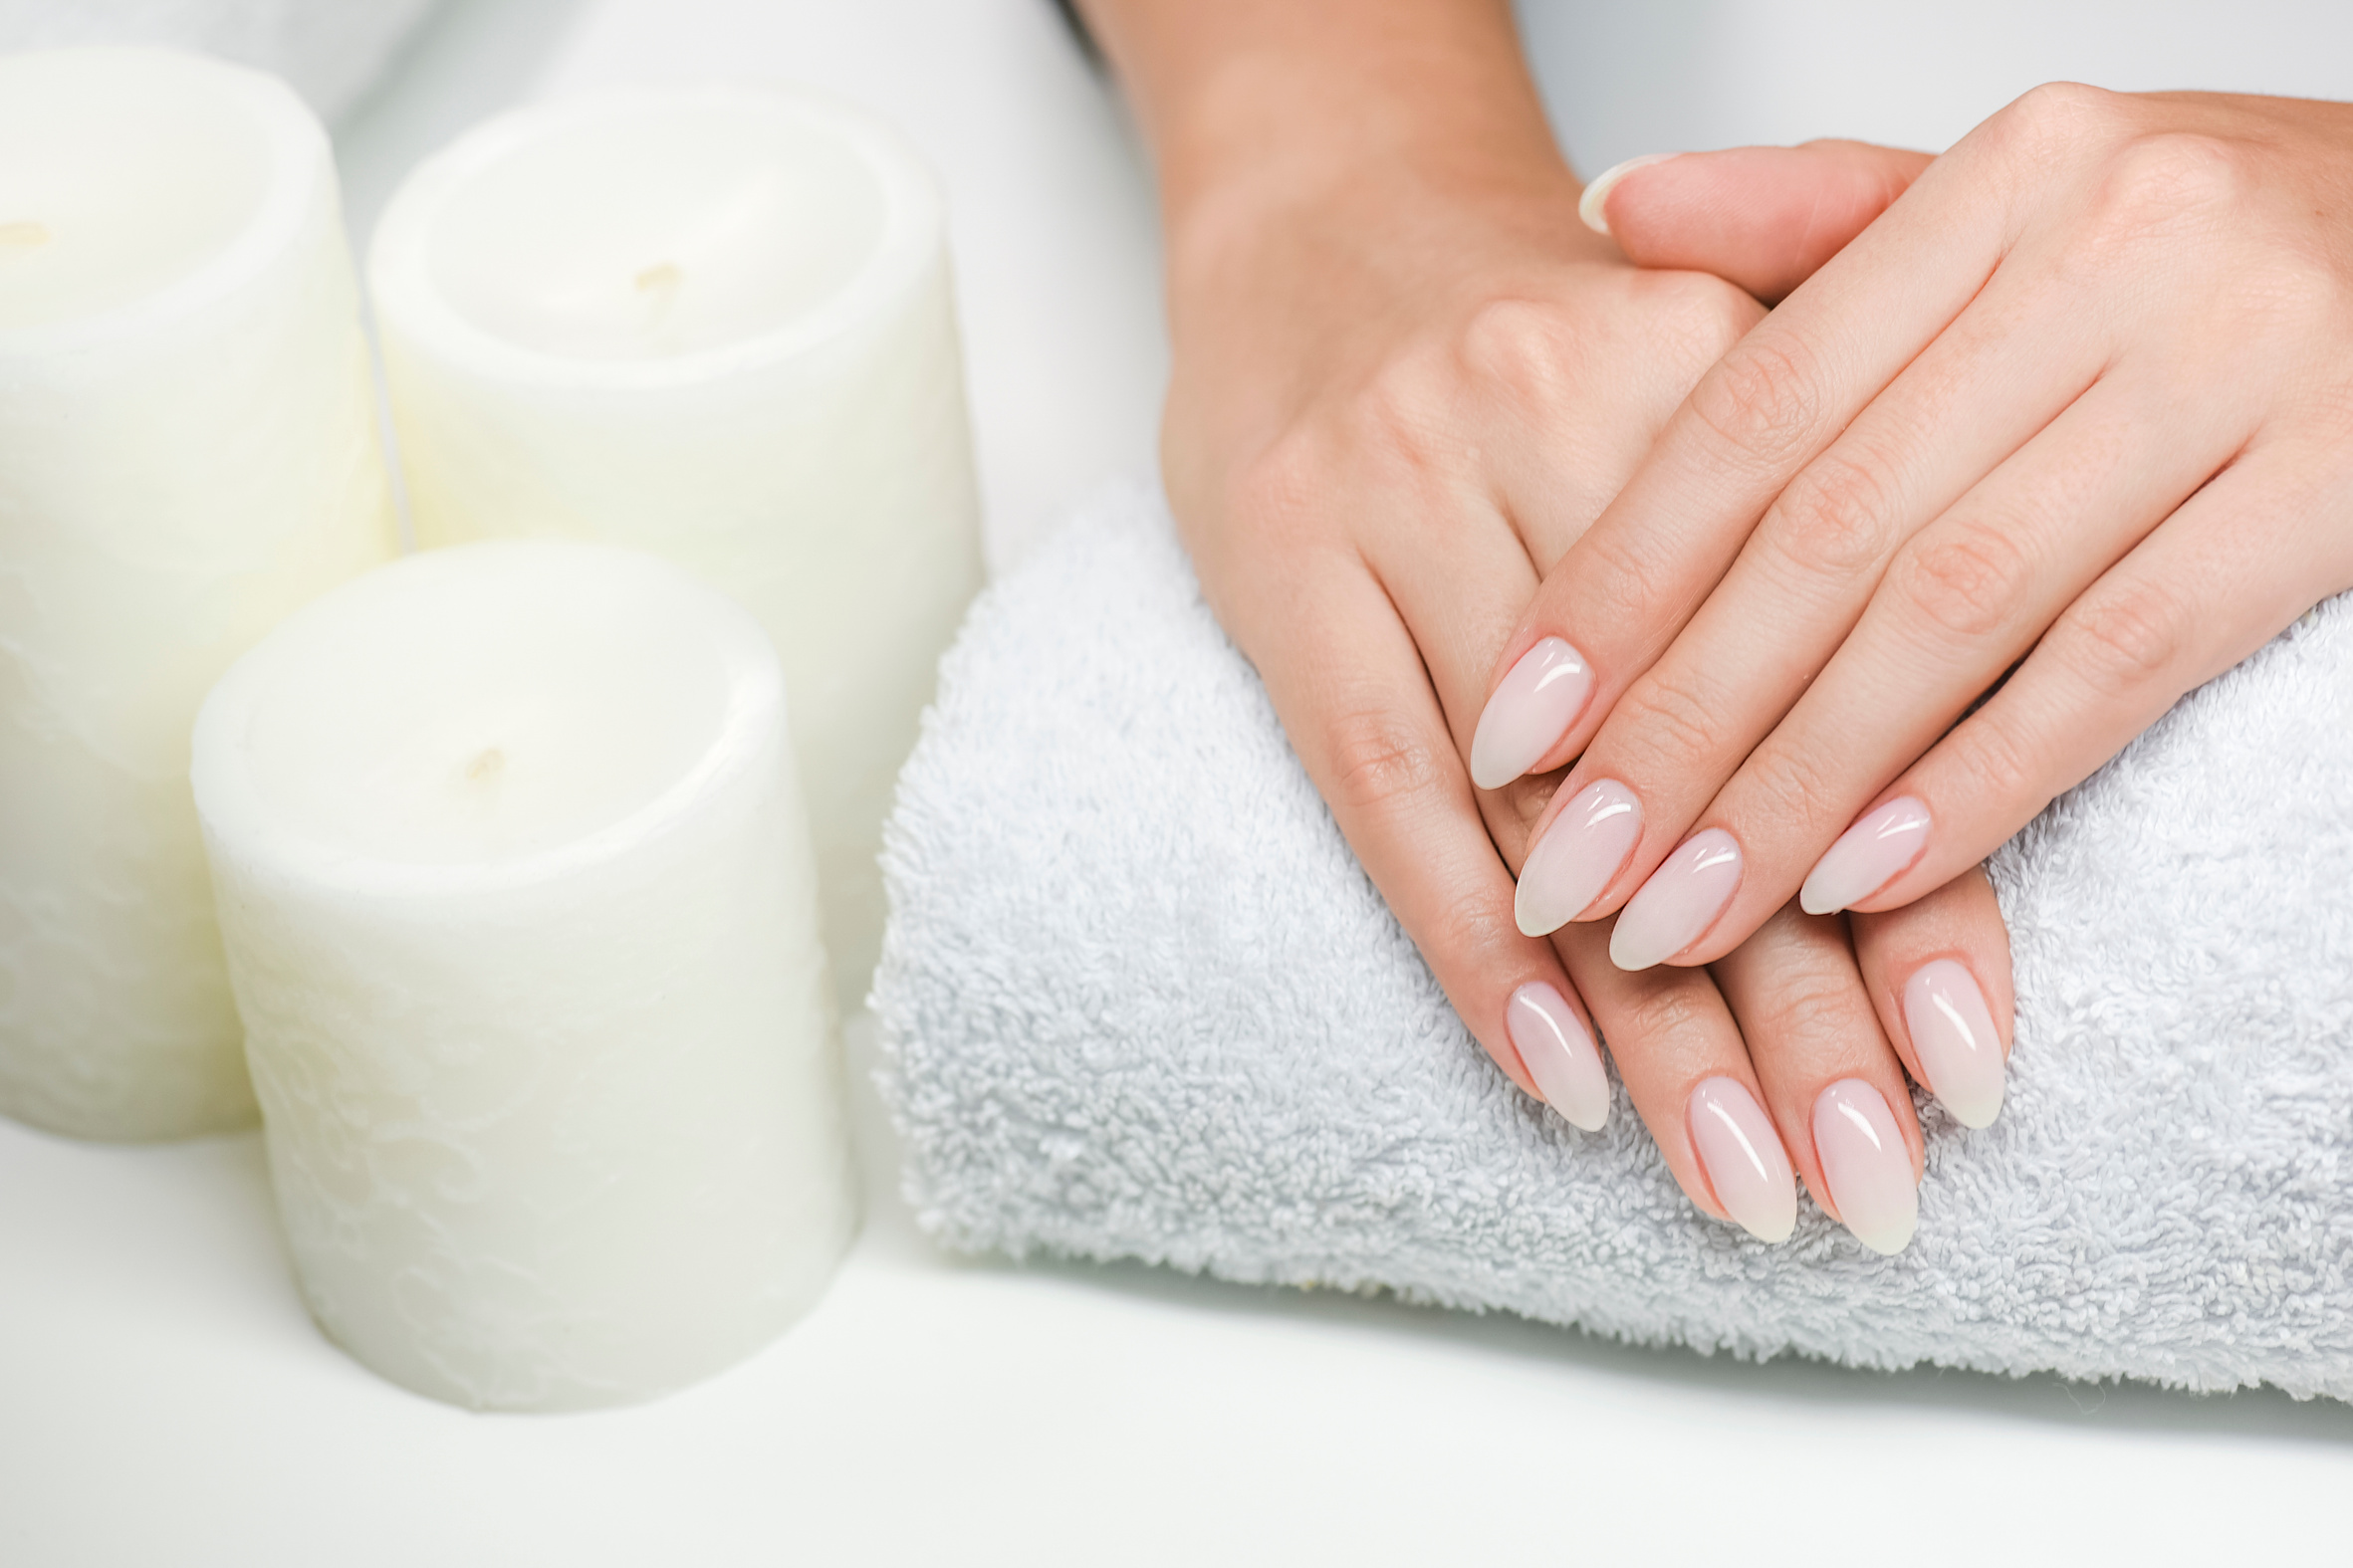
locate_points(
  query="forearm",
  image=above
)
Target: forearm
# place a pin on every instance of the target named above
(1254, 103)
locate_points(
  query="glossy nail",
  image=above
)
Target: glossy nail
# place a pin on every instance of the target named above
(1679, 903)
(1559, 1054)
(1590, 203)
(1580, 851)
(1743, 1158)
(1529, 712)
(1953, 1036)
(1868, 856)
(1866, 1163)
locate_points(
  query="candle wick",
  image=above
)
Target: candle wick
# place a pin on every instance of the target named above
(22, 236)
(487, 765)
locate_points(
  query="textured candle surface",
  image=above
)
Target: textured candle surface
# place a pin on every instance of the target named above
(187, 453)
(716, 325)
(519, 905)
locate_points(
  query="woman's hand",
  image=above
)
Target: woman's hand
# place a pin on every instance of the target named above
(1406, 380)
(2071, 426)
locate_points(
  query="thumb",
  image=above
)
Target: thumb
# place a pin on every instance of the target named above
(1760, 217)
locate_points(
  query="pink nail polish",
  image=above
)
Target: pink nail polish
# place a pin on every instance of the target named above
(1679, 903)
(1743, 1158)
(1529, 712)
(1866, 1163)
(1953, 1036)
(1868, 856)
(1559, 1054)
(1580, 851)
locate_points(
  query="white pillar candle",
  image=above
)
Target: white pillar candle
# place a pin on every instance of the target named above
(518, 907)
(187, 452)
(713, 324)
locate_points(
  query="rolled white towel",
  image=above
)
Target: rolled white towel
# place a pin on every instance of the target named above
(1138, 999)
(329, 51)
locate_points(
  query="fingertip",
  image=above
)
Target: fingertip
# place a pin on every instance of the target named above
(1561, 1054)
(1953, 1036)
(1592, 205)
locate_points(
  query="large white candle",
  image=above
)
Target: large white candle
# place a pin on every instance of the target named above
(518, 907)
(714, 324)
(187, 452)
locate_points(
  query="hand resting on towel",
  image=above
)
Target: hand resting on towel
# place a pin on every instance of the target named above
(1407, 379)
(2074, 411)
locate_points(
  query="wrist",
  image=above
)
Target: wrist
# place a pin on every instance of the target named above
(1394, 195)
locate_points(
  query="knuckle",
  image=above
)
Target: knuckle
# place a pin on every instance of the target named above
(1697, 311)
(2000, 761)
(2155, 185)
(2059, 113)
(2175, 169)
(1762, 400)
(1834, 517)
(1521, 344)
(1379, 764)
(1790, 789)
(1664, 1010)
(2127, 636)
(1619, 575)
(1274, 494)
(1671, 728)
(1466, 928)
(1806, 1007)
(1965, 577)
(1404, 415)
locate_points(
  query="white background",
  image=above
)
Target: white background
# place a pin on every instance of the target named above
(164, 1400)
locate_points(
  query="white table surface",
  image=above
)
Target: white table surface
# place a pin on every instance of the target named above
(164, 1400)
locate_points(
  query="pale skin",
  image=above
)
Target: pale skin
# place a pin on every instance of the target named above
(2080, 403)
(1408, 380)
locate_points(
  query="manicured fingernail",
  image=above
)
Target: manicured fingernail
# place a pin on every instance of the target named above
(1580, 851)
(1868, 856)
(1743, 1158)
(1559, 1054)
(1866, 1163)
(1589, 204)
(1529, 712)
(1953, 1036)
(1679, 903)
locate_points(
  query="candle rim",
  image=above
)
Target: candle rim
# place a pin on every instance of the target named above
(400, 273)
(299, 153)
(232, 810)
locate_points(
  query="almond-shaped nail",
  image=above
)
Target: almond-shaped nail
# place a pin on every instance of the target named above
(1953, 1036)
(1868, 856)
(1866, 1163)
(1559, 1054)
(1679, 903)
(1589, 205)
(1743, 1158)
(1529, 712)
(1581, 849)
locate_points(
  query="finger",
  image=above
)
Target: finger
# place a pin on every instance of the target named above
(1555, 476)
(1346, 681)
(1764, 218)
(1683, 727)
(1771, 405)
(1960, 602)
(1938, 971)
(1585, 395)
(1457, 589)
(1832, 1082)
(1689, 1076)
(2189, 603)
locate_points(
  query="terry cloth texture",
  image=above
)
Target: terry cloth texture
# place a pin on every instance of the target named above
(1138, 999)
